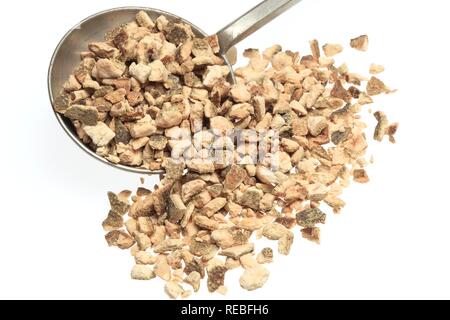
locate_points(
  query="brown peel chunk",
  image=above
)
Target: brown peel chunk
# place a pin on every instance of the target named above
(216, 278)
(382, 126)
(311, 234)
(360, 43)
(360, 176)
(119, 239)
(114, 221)
(86, 114)
(340, 92)
(117, 205)
(391, 131)
(375, 87)
(310, 217)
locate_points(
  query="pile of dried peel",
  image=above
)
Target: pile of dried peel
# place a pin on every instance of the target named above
(203, 219)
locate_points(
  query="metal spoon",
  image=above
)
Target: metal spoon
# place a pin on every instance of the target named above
(93, 28)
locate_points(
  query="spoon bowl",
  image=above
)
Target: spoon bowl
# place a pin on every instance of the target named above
(67, 57)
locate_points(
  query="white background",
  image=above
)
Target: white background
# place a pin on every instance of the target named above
(391, 240)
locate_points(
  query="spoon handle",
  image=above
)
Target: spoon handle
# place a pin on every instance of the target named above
(251, 21)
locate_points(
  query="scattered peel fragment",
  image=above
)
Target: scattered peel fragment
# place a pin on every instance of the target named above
(391, 131)
(254, 276)
(375, 87)
(360, 43)
(383, 128)
(216, 277)
(360, 176)
(173, 289)
(311, 234)
(142, 272)
(310, 217)
(382, 125)
(265, 256)
(331, 49)
(376, 68)
(119, 239)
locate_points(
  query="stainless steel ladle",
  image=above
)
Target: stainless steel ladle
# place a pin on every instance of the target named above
(66, 56)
